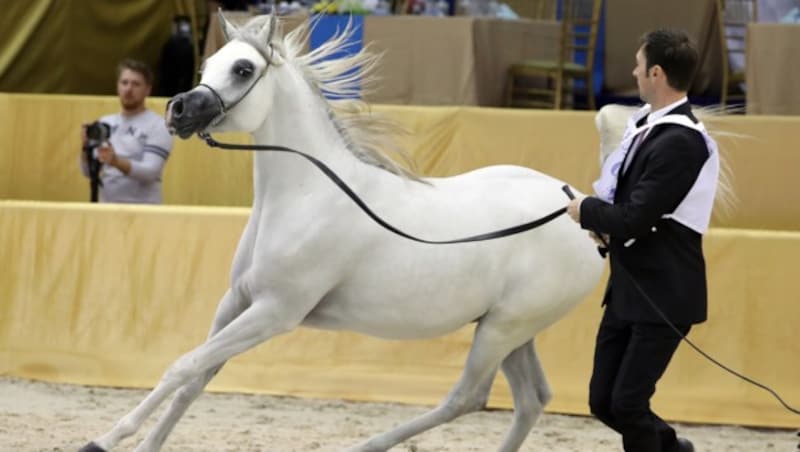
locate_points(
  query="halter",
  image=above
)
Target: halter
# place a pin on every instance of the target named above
(223, 108)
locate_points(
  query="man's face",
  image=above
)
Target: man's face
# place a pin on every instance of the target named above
(643, 80)
(132, 89)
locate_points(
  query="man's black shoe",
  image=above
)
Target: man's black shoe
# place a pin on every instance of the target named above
(684, 445)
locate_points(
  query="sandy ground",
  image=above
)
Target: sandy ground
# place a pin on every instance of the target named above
(36, 416)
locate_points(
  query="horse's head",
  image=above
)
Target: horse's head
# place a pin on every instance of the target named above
(227, 97)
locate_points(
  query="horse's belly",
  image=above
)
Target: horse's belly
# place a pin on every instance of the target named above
(422, 291)
(399, 289)
(399, 310)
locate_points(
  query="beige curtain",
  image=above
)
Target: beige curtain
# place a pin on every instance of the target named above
(112, 294)
(39, 145)
(63, 318)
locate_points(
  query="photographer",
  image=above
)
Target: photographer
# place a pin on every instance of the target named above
(131, 158)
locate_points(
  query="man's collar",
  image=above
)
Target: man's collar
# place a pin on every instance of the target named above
(661, 112)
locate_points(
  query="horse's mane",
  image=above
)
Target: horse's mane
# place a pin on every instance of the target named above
(340, 80)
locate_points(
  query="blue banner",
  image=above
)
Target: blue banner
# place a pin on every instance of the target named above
(327, 26)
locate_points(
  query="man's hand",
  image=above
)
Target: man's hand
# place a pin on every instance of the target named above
(598, 240)
(106, 154)
(574, 209)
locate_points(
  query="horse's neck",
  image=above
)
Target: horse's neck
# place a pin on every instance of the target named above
(299, 120)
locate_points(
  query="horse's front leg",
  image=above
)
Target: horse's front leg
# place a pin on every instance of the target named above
(229, 308)
(263, 319)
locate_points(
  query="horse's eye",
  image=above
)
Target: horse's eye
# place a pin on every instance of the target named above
(243, 68)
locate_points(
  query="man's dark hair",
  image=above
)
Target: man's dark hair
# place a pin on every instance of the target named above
(674, 52)
(136, 66)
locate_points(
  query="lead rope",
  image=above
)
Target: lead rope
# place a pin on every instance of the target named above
(349, 192)
(684, 338)
(489, 236)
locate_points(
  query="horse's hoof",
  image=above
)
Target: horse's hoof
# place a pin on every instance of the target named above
(91, 447)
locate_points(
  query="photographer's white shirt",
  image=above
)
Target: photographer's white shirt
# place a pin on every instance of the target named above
(144, 140)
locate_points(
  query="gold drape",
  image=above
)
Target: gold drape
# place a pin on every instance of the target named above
(40, 142)
(112, 294)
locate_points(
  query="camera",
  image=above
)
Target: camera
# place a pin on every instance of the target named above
(97, 133)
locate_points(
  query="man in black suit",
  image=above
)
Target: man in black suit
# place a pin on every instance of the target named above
(656, 208)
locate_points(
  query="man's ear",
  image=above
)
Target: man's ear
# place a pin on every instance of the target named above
(656, 70)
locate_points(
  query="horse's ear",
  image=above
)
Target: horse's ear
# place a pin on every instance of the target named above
(273, 23)
(267, 31)
(229, 31)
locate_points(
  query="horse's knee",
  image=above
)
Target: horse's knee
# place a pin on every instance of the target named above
(183, 371)
(528, 408)
(456, 405)
(186, 394)
(544, 393)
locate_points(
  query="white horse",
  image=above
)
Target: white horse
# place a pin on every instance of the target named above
(310, 257)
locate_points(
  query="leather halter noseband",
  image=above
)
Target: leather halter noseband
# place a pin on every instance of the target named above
(223, 108)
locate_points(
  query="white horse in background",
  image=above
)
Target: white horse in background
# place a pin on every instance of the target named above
(310, 257)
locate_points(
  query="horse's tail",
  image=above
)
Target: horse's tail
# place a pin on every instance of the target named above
(725, 200)
(612, 119)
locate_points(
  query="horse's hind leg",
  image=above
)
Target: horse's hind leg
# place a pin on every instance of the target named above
(229, 308)
(530, 391)
(489, 347)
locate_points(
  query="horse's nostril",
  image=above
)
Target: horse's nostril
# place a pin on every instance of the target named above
(177, 107)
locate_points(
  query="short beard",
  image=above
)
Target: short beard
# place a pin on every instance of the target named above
(132, 106)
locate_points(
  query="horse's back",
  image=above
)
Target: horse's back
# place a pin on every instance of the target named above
(494, 197)
(536, 275)
(493, 173)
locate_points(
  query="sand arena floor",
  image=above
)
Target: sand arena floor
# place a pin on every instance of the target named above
(36, 416)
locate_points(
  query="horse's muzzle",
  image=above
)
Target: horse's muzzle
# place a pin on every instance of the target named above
(191, 112)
